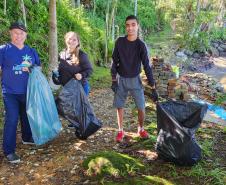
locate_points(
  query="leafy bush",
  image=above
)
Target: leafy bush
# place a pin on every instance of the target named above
(68, 19)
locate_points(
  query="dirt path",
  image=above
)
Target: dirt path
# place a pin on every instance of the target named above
(219, 70)
(59, 162)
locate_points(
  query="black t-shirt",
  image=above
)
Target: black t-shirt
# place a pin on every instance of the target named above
(67, 70)
(127, 58)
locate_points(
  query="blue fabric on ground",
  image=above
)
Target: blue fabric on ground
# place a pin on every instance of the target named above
(218, 110)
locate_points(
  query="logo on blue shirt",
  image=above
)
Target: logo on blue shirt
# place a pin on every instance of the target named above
(26, 63)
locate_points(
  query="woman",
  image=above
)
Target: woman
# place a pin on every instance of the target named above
(74, 62)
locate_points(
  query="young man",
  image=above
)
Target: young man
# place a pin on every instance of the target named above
(15, 57)
(128, 54)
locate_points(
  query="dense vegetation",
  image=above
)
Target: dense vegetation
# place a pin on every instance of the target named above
(193, 24)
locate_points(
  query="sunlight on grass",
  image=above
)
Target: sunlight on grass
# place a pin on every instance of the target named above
(158, 180)
(101, 165)
(145, 180)
(111, 163)
(224, 130)
(161, 36)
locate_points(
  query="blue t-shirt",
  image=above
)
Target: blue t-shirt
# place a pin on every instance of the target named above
(14, 80)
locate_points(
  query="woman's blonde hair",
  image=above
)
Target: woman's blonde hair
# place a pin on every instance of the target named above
(75, 53)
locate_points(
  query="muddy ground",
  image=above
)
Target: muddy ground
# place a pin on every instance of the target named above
(60, 161)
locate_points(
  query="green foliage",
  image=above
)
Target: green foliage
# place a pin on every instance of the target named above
(224, 130)
(101, 78)
(221, 99)
(68, 19)
(213, 175)
(150, 16)
(199, 42)
(196, 28)
(111, 163)
(218, 33)
(207, 148)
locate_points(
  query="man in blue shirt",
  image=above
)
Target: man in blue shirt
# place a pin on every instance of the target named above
(128, 55)
(15, 58)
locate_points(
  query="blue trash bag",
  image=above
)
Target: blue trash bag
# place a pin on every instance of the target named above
(41, 108)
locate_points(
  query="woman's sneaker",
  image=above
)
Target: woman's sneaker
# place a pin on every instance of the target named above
(13, 158)
(120, 136)
(29, 142)
(71, 126)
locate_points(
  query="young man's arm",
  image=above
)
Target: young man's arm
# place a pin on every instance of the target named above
(147, 68)
(114, 64)
(115, 61)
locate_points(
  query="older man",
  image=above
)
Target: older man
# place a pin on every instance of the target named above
(15, 57)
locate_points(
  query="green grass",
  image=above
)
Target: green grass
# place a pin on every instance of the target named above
(159, 37)
(114, 168)
(221, 99)
(145, 180)
(101, 77)
(161, 42)
(111, 163)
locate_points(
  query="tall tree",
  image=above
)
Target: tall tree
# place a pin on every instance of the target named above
(4, 7)
(73, 3)
(23, 11)
(78, 3)
(112, 20)
(135, 7)
(53, 47)
(109, 25)
(94, 7)
(106, 33)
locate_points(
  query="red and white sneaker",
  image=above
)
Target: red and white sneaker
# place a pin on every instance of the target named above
(120, 136)
(143, 134)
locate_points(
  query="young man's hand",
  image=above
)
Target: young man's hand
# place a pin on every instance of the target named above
(114, 86)
(154, 95)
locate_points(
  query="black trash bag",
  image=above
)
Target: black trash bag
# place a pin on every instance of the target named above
(177, 122)
(74, 106)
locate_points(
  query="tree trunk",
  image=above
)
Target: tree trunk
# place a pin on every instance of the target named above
(221, 14)
(94, 7)
(112, 19)
(53, 51)
(78, 3)
(23, 12)
(106, 34)
(73, 3)
(113, 29)
(53, 47)
(135, 7)
(4, 7)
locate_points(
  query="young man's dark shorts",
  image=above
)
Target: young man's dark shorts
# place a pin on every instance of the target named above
(134, 87)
